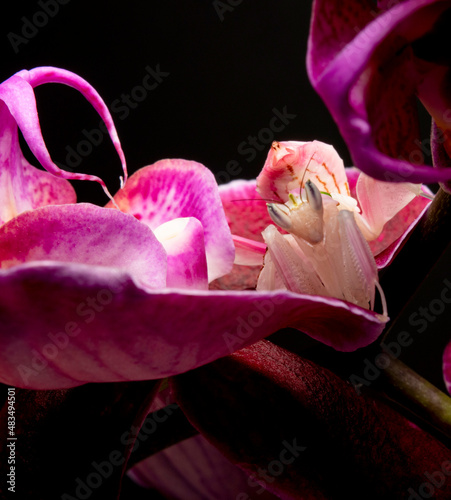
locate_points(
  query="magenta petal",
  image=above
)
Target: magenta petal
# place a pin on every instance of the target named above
(370, 85)
(194, 469)
(23, 187)
(96, 324)
(334, 24)
(170, 189)
(447, 367)
(84, 234)
(18, 95)
(183, 240)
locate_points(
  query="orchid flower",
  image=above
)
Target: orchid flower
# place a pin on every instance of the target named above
(97, 282)
(369, 67)
(339, 225)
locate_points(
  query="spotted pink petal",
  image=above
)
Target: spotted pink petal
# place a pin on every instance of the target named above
(87, 235)
(247, 216)
(88, 323)
(183, 240)
(447, 367)
(370, 83)
(170, 189)
(18, 97)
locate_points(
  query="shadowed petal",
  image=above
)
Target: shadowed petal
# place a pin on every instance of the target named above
(86, 324)
(302, 432)
(195, 469)
(84, 234)
(170, 189)
(18, 95)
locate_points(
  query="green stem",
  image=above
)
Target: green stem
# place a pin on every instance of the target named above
(433, 401)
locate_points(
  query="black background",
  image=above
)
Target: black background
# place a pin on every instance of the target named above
(229, 67)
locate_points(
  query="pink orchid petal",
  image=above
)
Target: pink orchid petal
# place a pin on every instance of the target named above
(82, 234)
(290, 164)
(447, 367)
(96, 324)
(18, 95)
(381, 201)
(23, 187)
(369, 86)
(397, 230)
(248, 252)
(194, 469)
(170, 189)
(183, 240)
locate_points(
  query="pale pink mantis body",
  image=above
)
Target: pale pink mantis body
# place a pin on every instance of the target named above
(324, 249)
